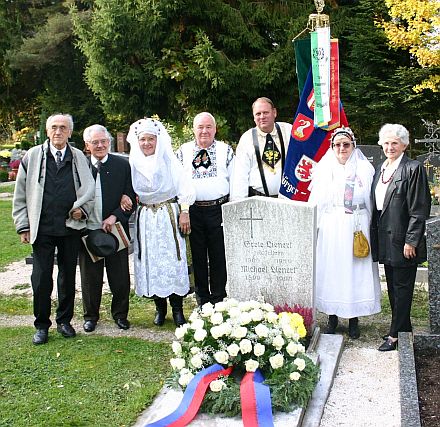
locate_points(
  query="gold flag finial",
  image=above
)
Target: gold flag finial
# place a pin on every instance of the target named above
(318, 20)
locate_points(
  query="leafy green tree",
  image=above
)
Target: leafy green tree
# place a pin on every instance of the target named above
(175, 58)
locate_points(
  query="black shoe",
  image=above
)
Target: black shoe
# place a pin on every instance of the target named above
(353, 328)
(40, 337)
(388, 345)
(385, 337)
(123, 324)
(332, 324)
(178, 317)
(66, 330)
(159, 318)
(89, 325)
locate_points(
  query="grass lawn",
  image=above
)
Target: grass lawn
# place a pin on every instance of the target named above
(11, 249)
(92, 381)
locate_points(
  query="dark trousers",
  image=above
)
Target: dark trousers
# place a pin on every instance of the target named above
(206, 240)
(118, 276)
(400, 284)
(42, 284)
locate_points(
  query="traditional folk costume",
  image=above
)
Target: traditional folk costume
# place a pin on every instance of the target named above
(272, 152)
(160, 262)
(346, 286)
(210, 169)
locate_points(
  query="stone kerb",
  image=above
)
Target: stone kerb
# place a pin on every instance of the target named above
(433, 246)
(270, 250)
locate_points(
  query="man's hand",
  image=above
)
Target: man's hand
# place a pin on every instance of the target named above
(126, 203)
(184, 224)
(409, 251)
(108, 223)
(25, 236)
(76, 214)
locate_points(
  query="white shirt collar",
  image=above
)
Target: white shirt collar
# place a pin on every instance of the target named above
(54, 150)
(94, 160)
(391, 168)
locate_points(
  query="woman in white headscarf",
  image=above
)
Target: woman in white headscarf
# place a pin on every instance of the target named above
(346, 286)
(160, 262)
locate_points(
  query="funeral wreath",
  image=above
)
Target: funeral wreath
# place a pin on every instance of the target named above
(246, 336)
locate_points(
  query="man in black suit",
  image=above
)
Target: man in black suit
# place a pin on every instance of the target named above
(114, 201)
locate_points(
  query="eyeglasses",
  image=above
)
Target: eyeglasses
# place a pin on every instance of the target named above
(339, 145)
(99, 141)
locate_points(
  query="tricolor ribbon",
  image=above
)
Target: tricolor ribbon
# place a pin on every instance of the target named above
(192, 398)
(256, 405)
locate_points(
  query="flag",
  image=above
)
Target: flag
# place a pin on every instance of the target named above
(306, 147)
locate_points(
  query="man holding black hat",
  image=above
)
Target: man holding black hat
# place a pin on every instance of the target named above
(114, 201)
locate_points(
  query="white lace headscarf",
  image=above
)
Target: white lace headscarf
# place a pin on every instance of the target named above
(152, 168)
(357, 165)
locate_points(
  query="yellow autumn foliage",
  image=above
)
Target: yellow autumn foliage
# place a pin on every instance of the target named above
(415, 25)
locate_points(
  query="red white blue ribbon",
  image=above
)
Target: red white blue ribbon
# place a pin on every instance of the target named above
(256, 404)
(192, 398)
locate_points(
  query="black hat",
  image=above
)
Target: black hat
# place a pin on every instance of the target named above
(101, 243)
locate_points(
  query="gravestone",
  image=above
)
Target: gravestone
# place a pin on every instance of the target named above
(270, 250)
(431, 162)
(433, 246)
(374, 153)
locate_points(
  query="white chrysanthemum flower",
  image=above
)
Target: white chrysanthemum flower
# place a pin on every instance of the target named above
(177, 363)
(185, 379)
(259, 349)
(288, 331)
(207, 310)
(226, 328)
(261, 330)
(300, 363)
(220, 306)
(196, 361)
(195, 350)
(217, 385)
(177, 348)
(256, 315)
(180, 332)
(276, 361)
(271, 317)
(197, 324)
(245, 318)
(221, 357)
(251, 365)
(278, 342)
(239, 332)
(295, 376)
(193, 316)
(245, 305)
(267, 307)
(301, 348)
(245, 346)
(292, 348)
(234, 312)
(216, 318)
(233, 349)
(200, 335)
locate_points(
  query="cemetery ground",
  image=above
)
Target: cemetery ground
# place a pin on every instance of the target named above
(110, 376)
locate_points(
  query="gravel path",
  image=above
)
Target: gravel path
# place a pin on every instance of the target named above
(365, 391)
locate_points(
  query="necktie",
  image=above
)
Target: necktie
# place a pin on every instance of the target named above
(58, 159)
(271, 154)
(98, 165)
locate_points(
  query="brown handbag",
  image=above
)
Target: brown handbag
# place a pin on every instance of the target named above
(361, 248)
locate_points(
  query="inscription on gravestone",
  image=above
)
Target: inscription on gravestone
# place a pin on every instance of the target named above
(270, 250)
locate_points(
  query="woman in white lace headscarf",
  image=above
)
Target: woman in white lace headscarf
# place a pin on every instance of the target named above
(160, 262)
(346, 286)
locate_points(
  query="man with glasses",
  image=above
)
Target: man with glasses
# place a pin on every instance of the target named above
(114, 201)
(53, 196)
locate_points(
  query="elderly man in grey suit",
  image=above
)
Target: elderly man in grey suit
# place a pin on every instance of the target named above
(54, 193)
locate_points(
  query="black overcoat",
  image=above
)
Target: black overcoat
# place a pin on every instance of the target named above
(406, 207)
